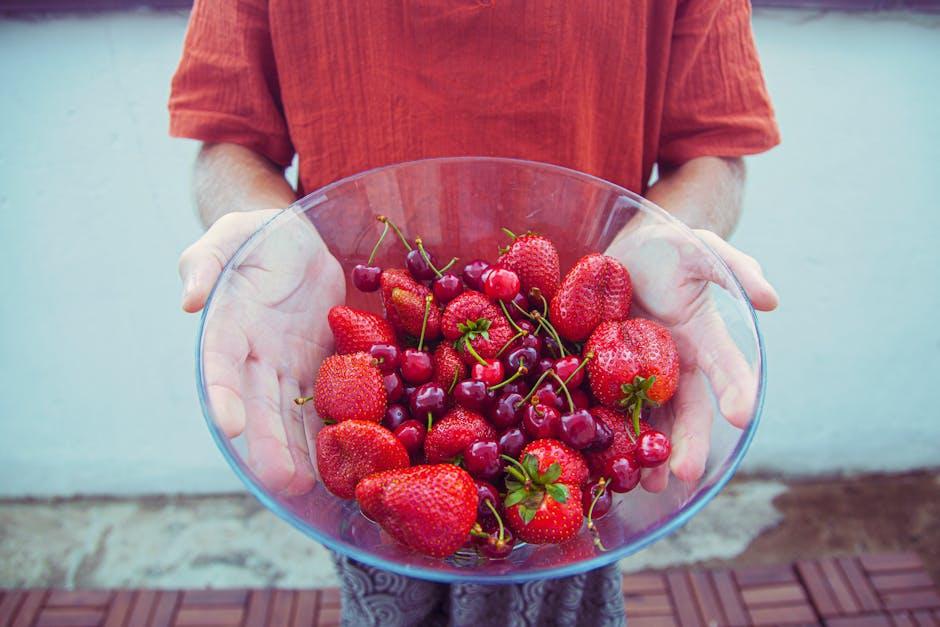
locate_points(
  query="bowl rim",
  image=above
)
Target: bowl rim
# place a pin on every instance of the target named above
(679, 518)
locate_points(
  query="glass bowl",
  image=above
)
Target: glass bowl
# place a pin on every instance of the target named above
(457, 206)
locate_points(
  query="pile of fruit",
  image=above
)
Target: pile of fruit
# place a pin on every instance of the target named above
(498, 404)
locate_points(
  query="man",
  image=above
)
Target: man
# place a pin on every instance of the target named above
(609, 88)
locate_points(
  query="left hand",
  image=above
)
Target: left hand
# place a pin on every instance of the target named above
(670, 280)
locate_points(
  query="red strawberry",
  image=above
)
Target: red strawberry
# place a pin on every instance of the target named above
(534, 259)
(548, 452)
(597, 289)
(453, 433)
(623, 444)
(405, 301)
(471, 317)
(448, 369)
(350, 387)
(430, 509)
(635, 363)
(540, 509)
(353, 449)
(356, 331)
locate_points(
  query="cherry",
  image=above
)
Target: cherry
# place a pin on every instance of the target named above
(624, 474)
(547, 394)
(473, 274)
(603, 436)
(491, 373)
(411, 435)
(604, 501)
(530, 341)
(482, 459)
(408, 394)
(568, 366)
(577, 429)
(504, 412)
(501, 284)
(527, 357)
(494, 548)
(518, 386)
(366, 278)
(580, 398)
(418, 267)
(652, 448)
(550, 346)
(541, 367)
(540, 421)
(394, 388)
(387, 356)
(416, 366)
(512, 441)
(430, 398)
(395, 415)
(447, 287)
(486, 492)
(514, 313)
(472, 395)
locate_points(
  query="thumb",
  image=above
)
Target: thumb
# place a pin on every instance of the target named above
(201, 264)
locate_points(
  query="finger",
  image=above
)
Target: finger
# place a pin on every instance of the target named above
(713, 350)
(297, 443)
(268, 453)
(225, 348)
(201, 263)
(691, 430)
(758, 289)
(655, 479)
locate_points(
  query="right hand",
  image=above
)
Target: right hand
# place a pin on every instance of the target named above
(265, 336)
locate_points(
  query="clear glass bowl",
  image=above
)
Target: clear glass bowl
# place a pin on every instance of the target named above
(457, 205)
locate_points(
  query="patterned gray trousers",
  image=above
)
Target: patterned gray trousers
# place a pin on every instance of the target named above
(373, 597)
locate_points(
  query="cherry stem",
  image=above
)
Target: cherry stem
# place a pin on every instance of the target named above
(511, 340)
(502, 532)
(375, 248)
(637, 408)
(424, 323)
(453, 383)
(598, 493)
(587, 357)
(426, 257)
(512, 322)
(508, 232)
(537, 292)
(477, 531)
(302, 401)
(524, 312)
(430, 420)
(535, 386)
(545, 324)
(564, 388)
(450, 264)
(480, 360)
(520, 371)
(397, 232)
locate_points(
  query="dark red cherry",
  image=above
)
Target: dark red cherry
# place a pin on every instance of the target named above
(504, 413)
(652, 449)
(418, 267)
(416, 366)
(481, 459)
(447, 287)
(411, 434)
(540, 421)
(512, 441)
(366, 278)
(473, 274)
(387, 356)
(394, 388)
(395, 415)
(577, 429)
(623, 473)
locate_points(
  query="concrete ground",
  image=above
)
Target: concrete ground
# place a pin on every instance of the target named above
(227, 541)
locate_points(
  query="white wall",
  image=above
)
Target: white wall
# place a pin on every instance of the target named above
(96, 374)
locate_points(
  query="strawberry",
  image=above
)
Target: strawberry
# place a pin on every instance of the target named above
(355, 331)
(453, 433)
(405, 302)
(635, 364)
(429, 509)
(350, 387)
(353, 449)
(534, 259)
(540, 509)
(597, 289)
(472, 318)
(548, 452)
(623, 444)
(448, 368)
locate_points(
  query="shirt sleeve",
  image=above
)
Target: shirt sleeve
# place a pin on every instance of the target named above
(716, 103)
(226, 86)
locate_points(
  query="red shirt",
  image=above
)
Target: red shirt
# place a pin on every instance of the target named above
(606, 87)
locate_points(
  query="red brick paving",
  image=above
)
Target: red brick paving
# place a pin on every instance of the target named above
(890, 590)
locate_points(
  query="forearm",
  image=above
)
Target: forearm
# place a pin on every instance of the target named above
(229, 177)
(705, 193)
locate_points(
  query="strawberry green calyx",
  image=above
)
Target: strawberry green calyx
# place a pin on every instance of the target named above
(527, 487)
(636, 397)
(472, 329)
(388, 222)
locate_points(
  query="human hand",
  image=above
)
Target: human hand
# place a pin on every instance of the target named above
(670, 279)
(265, 335)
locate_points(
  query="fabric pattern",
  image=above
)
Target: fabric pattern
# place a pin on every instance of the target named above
(372, 597)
